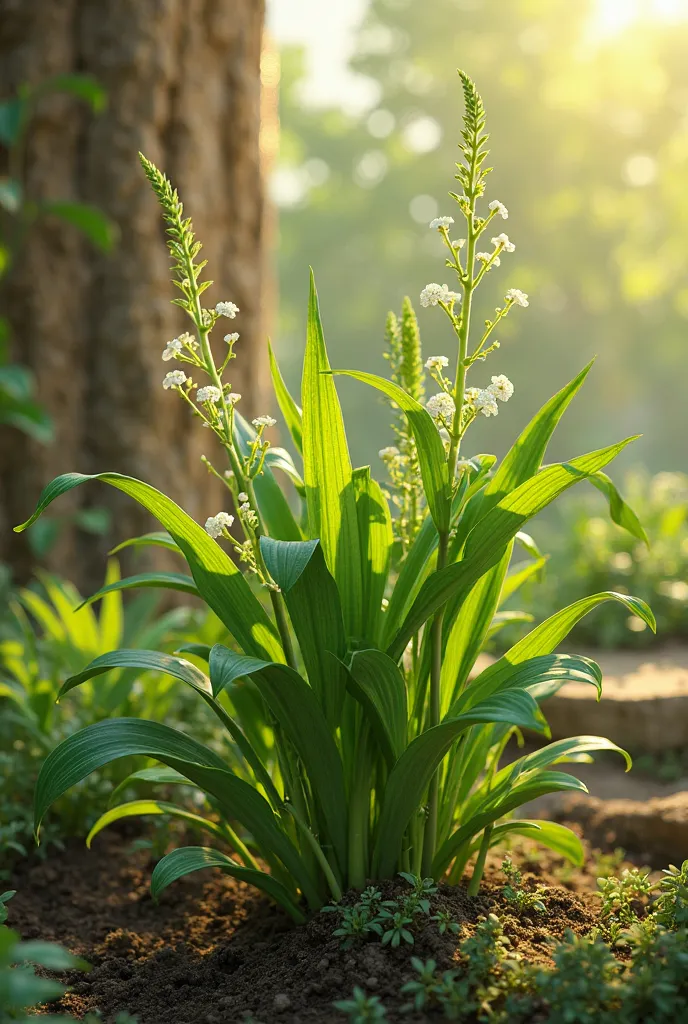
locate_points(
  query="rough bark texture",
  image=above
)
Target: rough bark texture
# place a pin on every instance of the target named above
(183, 86)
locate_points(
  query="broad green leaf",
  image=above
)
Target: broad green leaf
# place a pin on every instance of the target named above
(178, 668)
(195, 858)
(158, 539)
(432, 457)
(523, 792)
(520, 574)
(376, 540)
(97, 745)
(163, 580)
(546, 637)
(412, 773)
(144, 808)
(410, 578)
(327, 470)
(527, 673)
(555, 753)
(549, 833)
(159, 775)
(147, 661)
(288, 407)
(378, 685)
(297, 709)
(487, 541)
(621, 513)
(219, 581)
(525, 457)
(273, 506)
(89, 220)
(312, 600)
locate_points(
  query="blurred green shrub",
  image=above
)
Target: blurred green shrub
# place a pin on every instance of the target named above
(589, 553)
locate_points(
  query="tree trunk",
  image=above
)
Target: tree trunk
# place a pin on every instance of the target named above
(183, 84)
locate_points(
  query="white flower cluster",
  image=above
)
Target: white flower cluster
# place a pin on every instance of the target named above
(177, 345)
(247, 514)
(226, 309)
(436, 362)
(174, 379)
(389, 454)
(484, 400)
(500, 208)
(434, 293)
(458, 243)
(485, 257)
(441, 407)
(503, 241)
(209, 394)
(233, 398)
(517, 296)
(263, 421)
(441, 222)
(215, 525)
(231, 339)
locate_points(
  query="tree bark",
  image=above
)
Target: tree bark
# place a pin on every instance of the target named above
(183, 84)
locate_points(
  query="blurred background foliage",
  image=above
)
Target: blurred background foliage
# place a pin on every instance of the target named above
(589, 123)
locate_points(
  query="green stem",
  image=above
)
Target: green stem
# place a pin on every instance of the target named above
(430, 839)
(477, 876)
(335, 888)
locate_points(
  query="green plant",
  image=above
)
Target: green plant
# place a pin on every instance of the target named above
(51, 633)
(588, 552)
(361, 1008)
(670, 909)
(21, 989)
(583, 983)
(445, 923)
(522, 899)
(622, 898)
(358, 747)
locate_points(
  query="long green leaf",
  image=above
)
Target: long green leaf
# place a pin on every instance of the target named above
(621, 513)
(297, 709)
(488, 539)
(288, 407)
(147, 661)
(312, 600)
(164, 580)
(219, 581)
(144, 808)
(378, 685)
(410, 578)
(195, 858)
(160, 774)
(327, 470)
(99, 744)
(549, 833)
(411, 774)
(376, 540)
(158, 539)
(432, 457)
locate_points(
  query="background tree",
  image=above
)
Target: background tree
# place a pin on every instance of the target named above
(183, 85)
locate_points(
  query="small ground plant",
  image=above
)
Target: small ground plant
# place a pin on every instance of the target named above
(359, 744)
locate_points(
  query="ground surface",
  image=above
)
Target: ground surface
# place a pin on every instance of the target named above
(213, 952)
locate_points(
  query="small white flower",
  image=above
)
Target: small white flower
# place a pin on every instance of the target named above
(486, 403)
(187, 340)
(209, 394)
(389, 453)
(172, 350)
(441, 406)
(434, 293)
(263, 421)
(226, 309)
(485, 257)
(233, 398)
(500, 208)
(503, 240)
(248, 515)
(441, 222)
(436, 362)
(501, 387)
(231, 339)
(214, 525)
(458, 243)
(470, 395)
(243, 496)
(517, 296)
(174, 379)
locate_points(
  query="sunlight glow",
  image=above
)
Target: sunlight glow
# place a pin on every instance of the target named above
(613, 16)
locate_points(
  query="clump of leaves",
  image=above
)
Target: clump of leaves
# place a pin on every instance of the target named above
(624, 899)
(521, 899)
(670, 909)
(582, 984)
(445, 922)
(361, 1008)
(389, 919)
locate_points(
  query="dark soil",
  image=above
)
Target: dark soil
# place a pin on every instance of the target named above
(214, 951)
